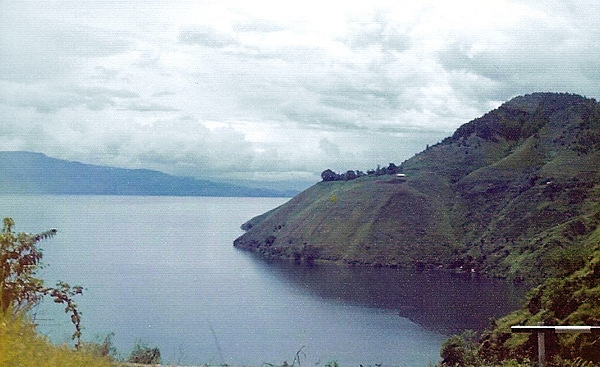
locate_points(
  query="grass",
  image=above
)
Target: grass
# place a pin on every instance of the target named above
(21, 345)
(570, 299)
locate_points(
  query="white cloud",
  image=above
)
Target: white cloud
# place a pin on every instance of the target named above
(275, 89)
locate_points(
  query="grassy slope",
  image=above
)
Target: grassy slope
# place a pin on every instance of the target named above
(21, 346)
(353, 223)
(572, 299)
(509, 194)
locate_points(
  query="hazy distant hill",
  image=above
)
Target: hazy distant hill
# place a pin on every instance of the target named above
(35, 173)
(513, 193)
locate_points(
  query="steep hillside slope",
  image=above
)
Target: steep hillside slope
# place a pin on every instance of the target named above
(508, 194)
(569, 299)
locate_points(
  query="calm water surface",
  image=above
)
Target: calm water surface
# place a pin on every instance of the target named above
(163, 271)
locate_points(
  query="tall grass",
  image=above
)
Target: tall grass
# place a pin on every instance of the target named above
(22, 346)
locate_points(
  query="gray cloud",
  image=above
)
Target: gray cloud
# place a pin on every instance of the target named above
(205, 36)
(34, 49)
(550, 53)
(377, 32)
(332, 150)
(44, 99)
(107, 92)
(234, 90)
(258, 25)
(142, 106)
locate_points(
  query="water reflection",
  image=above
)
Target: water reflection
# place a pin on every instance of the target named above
(438, 300)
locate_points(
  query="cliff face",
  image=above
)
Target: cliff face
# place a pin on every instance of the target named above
(509, 194)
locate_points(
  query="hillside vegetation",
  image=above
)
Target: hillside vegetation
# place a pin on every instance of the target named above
(570, 300)
(511, 194)
(573, 299)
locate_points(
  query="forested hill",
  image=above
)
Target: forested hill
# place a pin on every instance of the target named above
(514, 193)
(35, 173)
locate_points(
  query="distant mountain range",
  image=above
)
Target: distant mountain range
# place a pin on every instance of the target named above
(36, 173)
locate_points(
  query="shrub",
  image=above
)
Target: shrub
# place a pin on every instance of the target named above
(143, 354)
(20, 288)
(453, 351)
(461, 350)
(101, 348)
(19, 260)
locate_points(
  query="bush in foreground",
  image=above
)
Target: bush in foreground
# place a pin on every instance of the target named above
(143, 354)
(20, 287)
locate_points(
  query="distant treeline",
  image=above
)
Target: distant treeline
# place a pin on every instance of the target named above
(329, 175)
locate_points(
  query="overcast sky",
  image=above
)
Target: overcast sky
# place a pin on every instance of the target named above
(275, 90)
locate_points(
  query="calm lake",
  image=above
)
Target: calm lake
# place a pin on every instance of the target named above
(163, 271)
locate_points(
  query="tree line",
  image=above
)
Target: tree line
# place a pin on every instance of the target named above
(330, 175)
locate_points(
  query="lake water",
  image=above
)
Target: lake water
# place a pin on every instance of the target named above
(163, 271)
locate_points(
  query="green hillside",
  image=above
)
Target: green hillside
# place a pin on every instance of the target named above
(572, 299)
(511, 194)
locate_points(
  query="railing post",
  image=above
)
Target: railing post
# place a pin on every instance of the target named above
(541, 347)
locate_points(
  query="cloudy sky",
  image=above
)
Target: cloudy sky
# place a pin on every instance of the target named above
(275, 90)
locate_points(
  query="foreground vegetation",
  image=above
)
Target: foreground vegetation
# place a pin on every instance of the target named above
(571, 299)
(20, 290)
(21, 345)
